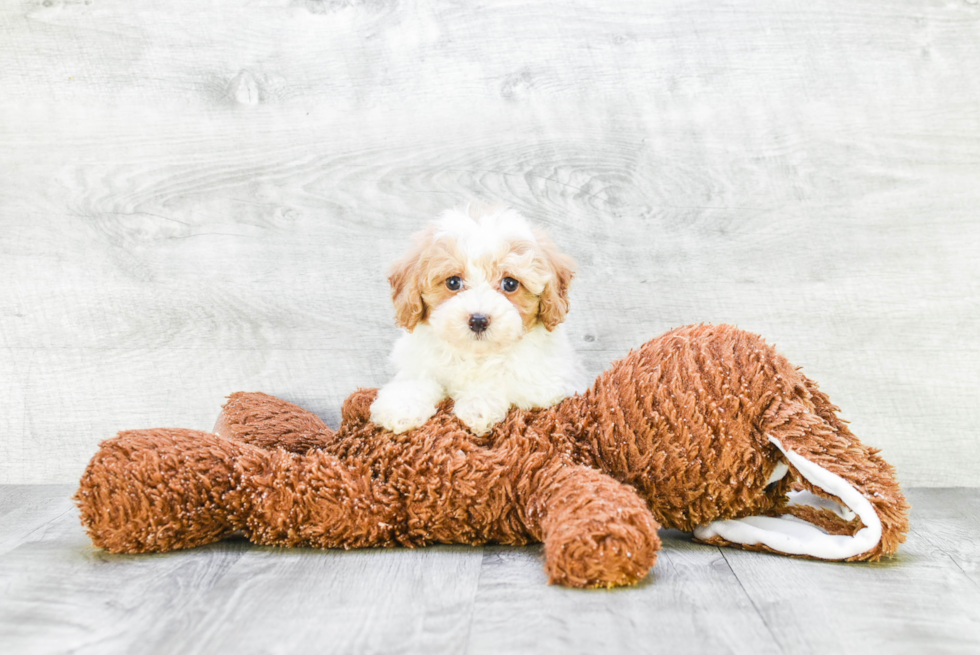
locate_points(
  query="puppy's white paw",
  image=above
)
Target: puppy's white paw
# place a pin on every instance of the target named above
(400, 419)
(404, 405)
(479, 414)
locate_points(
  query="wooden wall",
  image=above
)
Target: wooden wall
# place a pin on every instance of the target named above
(197, 198)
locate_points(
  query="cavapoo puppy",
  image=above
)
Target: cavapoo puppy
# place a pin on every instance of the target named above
(483, 296)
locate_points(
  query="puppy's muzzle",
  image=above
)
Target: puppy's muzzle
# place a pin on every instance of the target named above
(479, 323)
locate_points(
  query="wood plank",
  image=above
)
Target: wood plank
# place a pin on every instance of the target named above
(61, 594)
(27, 508)
(345, 602)
(949, 524)
(690, 602)
(920, 601)
(359, 56)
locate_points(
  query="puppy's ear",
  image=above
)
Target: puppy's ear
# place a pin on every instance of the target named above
(553, 303)
(406, 289)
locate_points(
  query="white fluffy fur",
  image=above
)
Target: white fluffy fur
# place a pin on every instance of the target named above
(486, 374)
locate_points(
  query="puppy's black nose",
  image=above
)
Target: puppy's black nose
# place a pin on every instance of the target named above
(479, 323)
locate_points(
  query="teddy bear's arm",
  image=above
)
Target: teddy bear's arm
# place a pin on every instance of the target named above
(597, 532)
(269, 422)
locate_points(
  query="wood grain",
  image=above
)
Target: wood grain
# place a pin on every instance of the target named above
(879, 607)
(205, 198)
(692, 602)
(26, 509)
(59, 594)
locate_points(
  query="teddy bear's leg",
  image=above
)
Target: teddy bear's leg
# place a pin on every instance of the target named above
(159, 490)
(167, 489)
(828, 515)
(841, 475)
(269, 422)
(879, 484)
(597, 532)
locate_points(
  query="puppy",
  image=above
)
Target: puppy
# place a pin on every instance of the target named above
(482, 296)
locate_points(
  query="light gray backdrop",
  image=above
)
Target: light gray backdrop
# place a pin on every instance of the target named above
(199, 198)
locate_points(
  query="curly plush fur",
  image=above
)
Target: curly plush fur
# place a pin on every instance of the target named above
(690, 430)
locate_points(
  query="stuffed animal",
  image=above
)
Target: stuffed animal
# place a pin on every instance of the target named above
(706, 429)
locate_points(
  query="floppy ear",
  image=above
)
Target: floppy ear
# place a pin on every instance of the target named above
(553, 303)
(406, 291)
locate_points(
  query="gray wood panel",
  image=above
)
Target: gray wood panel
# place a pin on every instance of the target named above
(58, 594)
(690, 602)
(204, 198)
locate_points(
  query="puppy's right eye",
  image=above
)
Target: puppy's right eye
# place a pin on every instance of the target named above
(454, 283)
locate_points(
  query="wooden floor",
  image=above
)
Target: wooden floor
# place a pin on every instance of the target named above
(58, 594)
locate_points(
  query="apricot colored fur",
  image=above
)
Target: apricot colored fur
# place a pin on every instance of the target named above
(673, 434)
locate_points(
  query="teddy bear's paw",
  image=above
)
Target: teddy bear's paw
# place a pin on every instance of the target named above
(613, 542)
(404, 405)
(479, 414)
(610, 560)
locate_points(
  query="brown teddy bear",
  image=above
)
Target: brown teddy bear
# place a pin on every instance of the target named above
(705, 429)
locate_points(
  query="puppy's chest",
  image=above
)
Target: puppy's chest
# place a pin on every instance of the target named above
(499, 373)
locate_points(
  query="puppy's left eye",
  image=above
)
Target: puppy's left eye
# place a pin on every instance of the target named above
(509, 284)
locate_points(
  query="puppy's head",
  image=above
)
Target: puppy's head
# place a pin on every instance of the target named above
(481, 280)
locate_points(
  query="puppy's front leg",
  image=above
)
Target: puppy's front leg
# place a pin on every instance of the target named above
(403, 405)
(480, 411)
